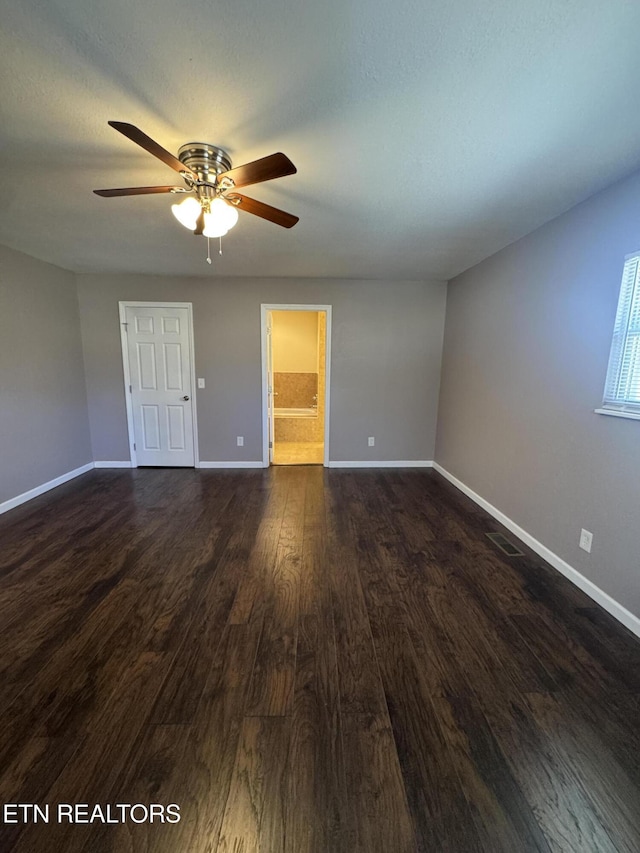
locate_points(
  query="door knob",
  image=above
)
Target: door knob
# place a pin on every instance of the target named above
(186, 397)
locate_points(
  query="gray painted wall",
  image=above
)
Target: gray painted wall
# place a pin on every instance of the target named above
(385, 372)
(526, 347)
(44, 430)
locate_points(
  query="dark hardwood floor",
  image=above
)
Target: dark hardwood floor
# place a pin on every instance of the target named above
(305, 660)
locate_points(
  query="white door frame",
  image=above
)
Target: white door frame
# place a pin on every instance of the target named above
(122, 306)
(264, 310)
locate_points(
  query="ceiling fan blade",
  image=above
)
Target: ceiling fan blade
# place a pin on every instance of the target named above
(138, 191)
(136, 135)
(265, 169)
(265, 211)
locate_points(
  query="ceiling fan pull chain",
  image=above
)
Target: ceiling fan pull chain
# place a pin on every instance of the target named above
(220, 249)
(208, 251)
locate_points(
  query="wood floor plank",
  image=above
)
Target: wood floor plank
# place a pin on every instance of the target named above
(425, 756)
(214, 737)
(379, 817)
(605, 784)
(30, 775)
(101, 758)
(316, 818)
(206, 618)
(436, 798)
(156, 776)
(249, 595)
(361, 690)
(613, 717)
(28, 703)
(271, 692)
(564, 813)
(254, 818)
(72, 594)
(505, 820)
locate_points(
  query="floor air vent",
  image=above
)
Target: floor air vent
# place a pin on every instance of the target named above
(505, 545)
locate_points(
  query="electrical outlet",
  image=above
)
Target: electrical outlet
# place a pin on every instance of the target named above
(586, 538)
(372, 441)
(240, 440)
(200, 383)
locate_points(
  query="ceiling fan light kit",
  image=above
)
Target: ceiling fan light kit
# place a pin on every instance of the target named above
(220, 218)
(187, 212)
(211, 208)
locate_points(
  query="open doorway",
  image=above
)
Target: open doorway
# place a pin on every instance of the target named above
(295, 384)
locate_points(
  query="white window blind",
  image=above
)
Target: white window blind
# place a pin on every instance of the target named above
(622, 389)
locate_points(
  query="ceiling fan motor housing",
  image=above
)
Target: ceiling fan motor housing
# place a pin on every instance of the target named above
(208, 161)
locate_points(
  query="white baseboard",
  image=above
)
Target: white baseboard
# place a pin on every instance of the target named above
(628, 619)
(45, 487)
(238, 464)
(394, 463)
(125, 464)
(388, 463)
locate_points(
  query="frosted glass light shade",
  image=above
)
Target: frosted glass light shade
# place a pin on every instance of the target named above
(221, 218)
(187, 212)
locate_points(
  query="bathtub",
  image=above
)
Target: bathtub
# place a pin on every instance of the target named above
(280, 412)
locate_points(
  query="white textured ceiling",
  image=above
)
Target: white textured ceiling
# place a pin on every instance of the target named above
(427, 133)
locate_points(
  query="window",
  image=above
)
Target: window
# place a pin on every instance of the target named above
(622, 389)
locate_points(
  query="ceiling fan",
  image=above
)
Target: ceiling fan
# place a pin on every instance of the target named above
(212, 203)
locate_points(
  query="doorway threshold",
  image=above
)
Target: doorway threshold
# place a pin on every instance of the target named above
(298, 453)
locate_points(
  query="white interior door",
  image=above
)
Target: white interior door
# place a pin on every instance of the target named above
(270, 393)
(159, 353)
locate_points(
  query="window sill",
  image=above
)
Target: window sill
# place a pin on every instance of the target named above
(618, 413)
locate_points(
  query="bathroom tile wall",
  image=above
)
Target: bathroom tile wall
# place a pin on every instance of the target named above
(295, 390)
